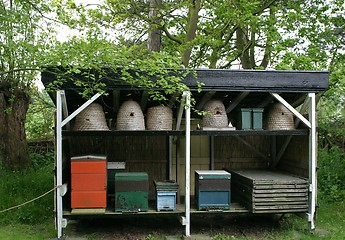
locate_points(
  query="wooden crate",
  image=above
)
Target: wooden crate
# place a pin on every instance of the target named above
(264, 191)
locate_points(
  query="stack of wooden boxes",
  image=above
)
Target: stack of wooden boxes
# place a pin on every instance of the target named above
(263, 191)
(212, 189)
(166, 195)
(88, 182)
(131, 191)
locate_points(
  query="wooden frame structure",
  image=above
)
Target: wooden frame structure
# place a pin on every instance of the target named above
(291, 88)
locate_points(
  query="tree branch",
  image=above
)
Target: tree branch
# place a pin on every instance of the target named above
(171, 37)
(19, 70)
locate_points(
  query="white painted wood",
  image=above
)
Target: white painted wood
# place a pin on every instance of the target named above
(59, 217)
(187, 196)
(81, 108)
(64, 108)
(180, 113)
(292, 109)
(287, 141)
(312, 161)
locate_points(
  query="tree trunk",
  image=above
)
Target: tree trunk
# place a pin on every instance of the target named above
(193, 19)
(243, 46)
(154, 39)
(14, 104)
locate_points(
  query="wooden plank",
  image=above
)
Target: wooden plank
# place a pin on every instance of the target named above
(280, 195)
(280, 203)
(286, 191)
(280, 199)
(286, 207)
(281, 186)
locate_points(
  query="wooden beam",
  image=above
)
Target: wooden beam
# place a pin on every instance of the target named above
(299, 101)
(173, 100)
(288, 139)
(237, 100)
(265, 102)
(207, 96)
(143, 102)
(65, 108)
(116, 100)
(293, 110)
(253, 148)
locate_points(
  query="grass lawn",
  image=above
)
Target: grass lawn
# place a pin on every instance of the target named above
(27, 232)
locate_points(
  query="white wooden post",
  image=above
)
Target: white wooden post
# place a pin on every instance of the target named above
(59, 193)
(312, 162)
(187, 194)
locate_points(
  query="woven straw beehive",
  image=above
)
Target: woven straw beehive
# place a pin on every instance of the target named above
(279, 118)
(217, 117)
(130, 117)
(159, 118)
(91, 118)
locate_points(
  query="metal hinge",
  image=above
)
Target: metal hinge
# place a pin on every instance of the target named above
(63, 222)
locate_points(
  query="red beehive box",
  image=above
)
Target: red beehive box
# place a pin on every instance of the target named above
(88, 182)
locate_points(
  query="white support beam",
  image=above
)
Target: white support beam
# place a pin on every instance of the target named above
(186, 95)
(287, 141)
(81, 108)
(180, 113)
(292, 109)
(64, 107)
(60, 221)
(312, 161)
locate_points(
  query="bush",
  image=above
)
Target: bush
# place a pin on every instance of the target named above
(331, 174)
(17, 187)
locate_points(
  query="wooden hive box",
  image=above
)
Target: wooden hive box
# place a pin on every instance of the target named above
(212, 189)
(88, 182)
(166, 195)
(270, 192)
(131, 192)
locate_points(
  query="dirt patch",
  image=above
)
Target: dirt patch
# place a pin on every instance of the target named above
(142, 227)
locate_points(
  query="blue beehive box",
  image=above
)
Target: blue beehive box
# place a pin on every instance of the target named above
(212, 189)
(166, 195)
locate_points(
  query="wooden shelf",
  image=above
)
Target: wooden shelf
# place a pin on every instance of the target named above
(180, 209)
(182, 133)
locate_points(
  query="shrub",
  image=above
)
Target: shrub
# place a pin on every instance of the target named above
(331, 173)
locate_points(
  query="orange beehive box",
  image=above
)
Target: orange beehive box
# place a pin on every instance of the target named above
(89, 164)
(89, 182)
(88, 199)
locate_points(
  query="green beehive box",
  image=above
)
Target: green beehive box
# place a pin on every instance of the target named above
(112, 168)
(131, 192)
(243, 119)
(257, 118)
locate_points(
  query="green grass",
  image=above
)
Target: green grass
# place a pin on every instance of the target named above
(27, 232)
(34, 220)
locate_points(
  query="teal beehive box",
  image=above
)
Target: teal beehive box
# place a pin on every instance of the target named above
(212, 189)
(243, 118)
(257, 118)
(131, 192)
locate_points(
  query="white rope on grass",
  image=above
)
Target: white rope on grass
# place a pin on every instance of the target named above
(30, 201)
